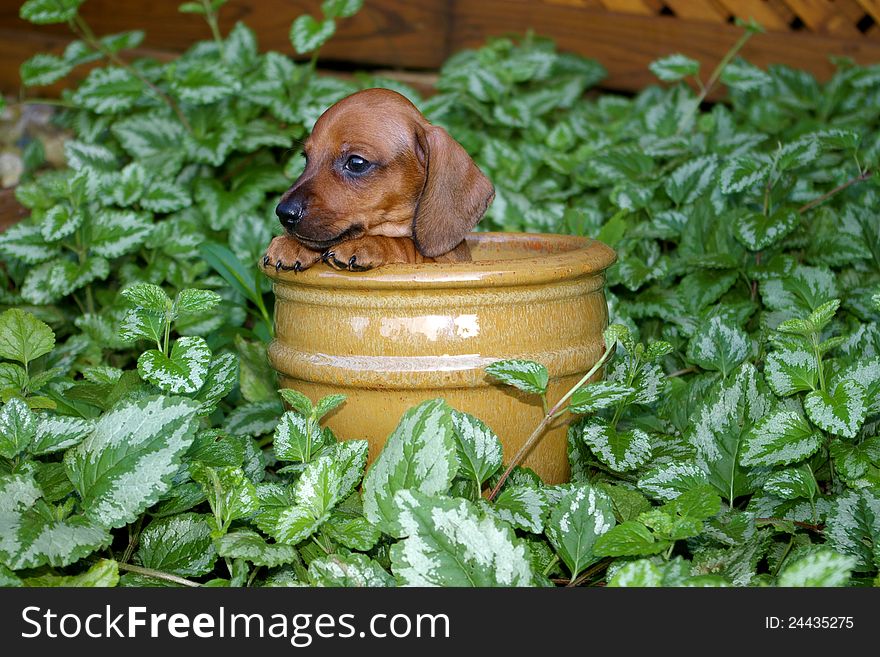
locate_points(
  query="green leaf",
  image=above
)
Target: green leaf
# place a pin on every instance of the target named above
(630, 538)
(50, 281)
(674, 67)
(165, 196)
(792, 483)
(719, 345)
(596, 396)
(179, 544)
(42, 12)
(348, 570)
(219, 382)
(18, 427)
(203, 83)
(154, 141)
(297, 438)
(317, 492)
(196, 302)
(254, 419)
(742, 76)
(699, 503)
(327, 404)
(419, 455)
(840, 412)
(858, 465)
(669, 480)
(641, 573)
(451, 542)
(23, 337)
(779, 438)
(822, 567)
(354, 532)
(184, 371)
(104, 574)
(230, 493)
(622, 451)
(109, 90)
(307, 34)
(129, 460)
(791, 370)
(525, 375)
(117, 232)
(249, 545)
(721, 426)
(341, 8)
(148, 297)
(523, 507)
(43, 69)
(123, 40)
(477, 446)
(579, 517)
(298, 401)
(853, 528)
(691, 180)
(757, 231)
(25, 242)
(57, 433)
(800, 292)
(740, 174)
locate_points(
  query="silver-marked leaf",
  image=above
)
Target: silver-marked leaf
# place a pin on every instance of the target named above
(858, 465)
(351, 457)
(525, 375)
(867, 374)
(853, 528)
(203, 83)
(25, 242)
(741, 173)
(23, 337)
(165, 196)
(649, 383)
(117, 232)
(478, 448)
(129, 460)
(840, 412)
(219, 381)
(50, 281)
(791, 370)
(757, 231)
(59, 432)
(800, 292)
(792, 483)
(693, 179)
(297, 438)
(719, 345)
(780, 438)
(60, 221)
(621, 451)
(669, 480)
(327, 404)
(18, 427)
(297, 401)
(43, 69)
(798, 153)
(308, 34)
(596, 396)
(317, 491)
(674, 67)
(341, 8)
(248, 544)
(193, 301)
(523, 507)
(230, 493)
(720, 427)
(178, 544)
(104, 574)
(348, 570)
(254, 419)
(109, 90)
(821, 567)
(419, 455)
(148, 297)
(743, 76)
(155, 141)
(42, 12)
(354, 532)
(451, 542)
(184, 371)
(29, 539)
(580, 516)
(641, 573)
(125, 187)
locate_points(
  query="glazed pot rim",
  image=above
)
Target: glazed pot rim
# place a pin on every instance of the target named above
(547, 257)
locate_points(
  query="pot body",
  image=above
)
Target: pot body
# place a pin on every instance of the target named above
(397, 335)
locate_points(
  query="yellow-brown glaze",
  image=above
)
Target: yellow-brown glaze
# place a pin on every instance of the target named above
(397, 335)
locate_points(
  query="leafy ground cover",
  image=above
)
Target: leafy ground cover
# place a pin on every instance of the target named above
(735, 440)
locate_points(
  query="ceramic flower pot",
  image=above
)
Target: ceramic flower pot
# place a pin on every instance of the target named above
(397, 335)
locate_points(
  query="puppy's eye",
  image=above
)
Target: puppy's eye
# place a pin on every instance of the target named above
(356, 164)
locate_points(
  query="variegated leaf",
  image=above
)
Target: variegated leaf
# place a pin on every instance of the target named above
(779, 438)
(841, 411)
(622, 451)
(579, 517)
(184, 371)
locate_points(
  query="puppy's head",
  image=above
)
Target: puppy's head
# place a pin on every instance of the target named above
(375, 166)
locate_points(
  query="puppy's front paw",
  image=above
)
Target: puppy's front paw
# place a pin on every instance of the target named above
(285, 253)
(355, 255)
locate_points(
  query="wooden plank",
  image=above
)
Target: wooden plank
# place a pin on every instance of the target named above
(871, 7)
(698, 11)
(626, 44)
(763, 12)
(630, 7)
(393, 33)
(822, 16)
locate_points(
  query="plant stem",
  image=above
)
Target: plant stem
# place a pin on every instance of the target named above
(82, 29)
(542, 425)
(157, 574)
(133, 538)
(852, 181)
(211, 18)
(589, 572)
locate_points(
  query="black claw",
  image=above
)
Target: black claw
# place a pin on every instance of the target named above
(358, 268)
(297, 267)
(336, 263)
(327, 255)
(277, 265)
(351, 261)
(265, 261)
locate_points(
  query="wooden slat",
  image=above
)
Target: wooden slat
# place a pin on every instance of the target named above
(871, 7)
(763, 12)
(699, 11)
(627, 43)
(822, 16)
(631, 7)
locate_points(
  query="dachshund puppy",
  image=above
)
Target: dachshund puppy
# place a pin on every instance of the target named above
(381, 185)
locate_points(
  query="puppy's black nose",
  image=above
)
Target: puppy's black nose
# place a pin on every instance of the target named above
(290, 212)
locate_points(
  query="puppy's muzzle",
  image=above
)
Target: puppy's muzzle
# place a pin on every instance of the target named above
(290, 212)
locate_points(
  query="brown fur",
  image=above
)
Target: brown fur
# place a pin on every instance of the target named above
(420, 197)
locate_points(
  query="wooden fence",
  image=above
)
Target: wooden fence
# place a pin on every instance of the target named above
(625, 35)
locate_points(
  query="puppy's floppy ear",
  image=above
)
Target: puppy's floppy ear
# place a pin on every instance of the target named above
(455, 195)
